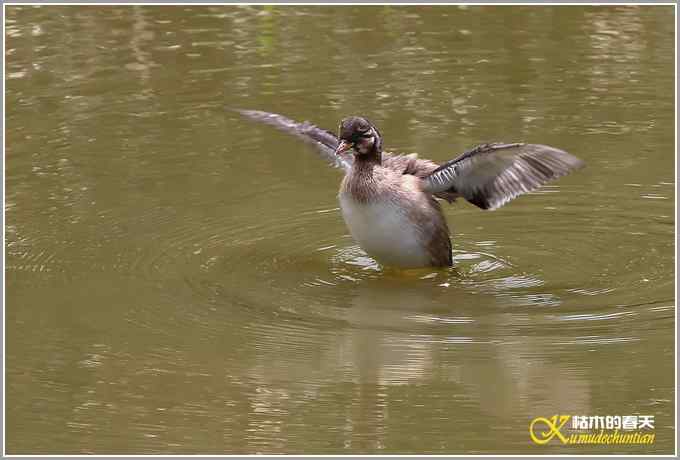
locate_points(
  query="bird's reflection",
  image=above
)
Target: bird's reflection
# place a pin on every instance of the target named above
(401, 331)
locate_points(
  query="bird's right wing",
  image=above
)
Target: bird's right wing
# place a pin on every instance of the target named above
(325, 141)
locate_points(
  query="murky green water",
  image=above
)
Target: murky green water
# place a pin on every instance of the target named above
(179, 280)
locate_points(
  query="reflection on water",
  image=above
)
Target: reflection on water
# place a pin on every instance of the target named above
(180, 280)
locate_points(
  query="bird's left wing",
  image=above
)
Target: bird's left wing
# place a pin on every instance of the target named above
(490, 175)
(325, 141)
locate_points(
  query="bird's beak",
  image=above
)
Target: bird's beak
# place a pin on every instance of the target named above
(343, 147)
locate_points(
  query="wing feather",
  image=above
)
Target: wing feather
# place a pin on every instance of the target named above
(325, 141)
(490, 175)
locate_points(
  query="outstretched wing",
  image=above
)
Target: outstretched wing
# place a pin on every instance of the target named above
(490, 175)
(325, 141)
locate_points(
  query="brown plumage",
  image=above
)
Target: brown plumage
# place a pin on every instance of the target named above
(388, 201)
(388, 186)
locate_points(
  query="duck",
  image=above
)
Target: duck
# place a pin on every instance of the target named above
(391, 202)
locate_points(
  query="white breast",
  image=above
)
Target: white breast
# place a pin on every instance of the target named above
(384, 230)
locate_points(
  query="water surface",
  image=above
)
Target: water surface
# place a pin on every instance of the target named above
(179, 280)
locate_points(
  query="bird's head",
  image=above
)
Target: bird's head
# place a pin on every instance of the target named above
(360, 134)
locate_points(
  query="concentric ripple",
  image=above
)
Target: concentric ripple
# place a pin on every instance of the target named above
(306, 268)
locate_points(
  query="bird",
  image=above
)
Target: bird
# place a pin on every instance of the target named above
(390, 202)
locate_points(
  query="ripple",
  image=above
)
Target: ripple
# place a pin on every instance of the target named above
(291, 274)
(172, 270)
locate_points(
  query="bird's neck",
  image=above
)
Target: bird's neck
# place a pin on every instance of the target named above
(368, 160)
(372, 157)
(361, 182)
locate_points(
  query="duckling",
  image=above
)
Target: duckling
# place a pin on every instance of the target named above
(389, 202)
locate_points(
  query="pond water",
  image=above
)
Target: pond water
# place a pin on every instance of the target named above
(180, 280)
